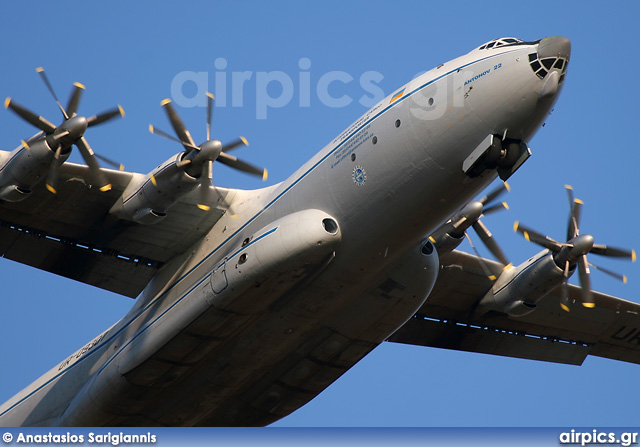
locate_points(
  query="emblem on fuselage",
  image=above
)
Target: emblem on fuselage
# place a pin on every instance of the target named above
(359, 175)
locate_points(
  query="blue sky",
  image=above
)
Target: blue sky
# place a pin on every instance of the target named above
(130, 53)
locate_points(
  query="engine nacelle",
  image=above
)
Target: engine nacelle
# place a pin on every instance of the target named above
(14, 193)
(24, 168)
(517, 290)
(451, 234)
(147, 200)
(445, 242)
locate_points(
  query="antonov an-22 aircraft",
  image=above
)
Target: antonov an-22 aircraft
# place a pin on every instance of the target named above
(250, 303)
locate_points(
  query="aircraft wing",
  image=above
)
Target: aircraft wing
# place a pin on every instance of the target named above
(448, 320)
(72, 233)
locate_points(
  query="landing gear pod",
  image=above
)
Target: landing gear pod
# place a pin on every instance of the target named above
(276, 257)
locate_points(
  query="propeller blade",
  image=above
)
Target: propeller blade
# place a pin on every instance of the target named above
(116, 165)
(74, 100)
(489, 241)
(613, 274)
(30, 117)
(564, 301)
(90, 159)
(205, 186)
(537, 238)
(567, 266)
(494, 194)
(585, 282)
(26, 144)
(60, 135)
(573, 229)
(483, 264)
(105, 116)
(242, 141)
(207, 190)
(569, 189)
(210, 100)
(227, 204)
(156, 131)
(52, 177)
(497, 207)
(243, 166)
(604, 250)
(35, 137)
(44, 77)
(178, 126)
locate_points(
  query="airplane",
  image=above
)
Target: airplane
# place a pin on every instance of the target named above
(250, 303)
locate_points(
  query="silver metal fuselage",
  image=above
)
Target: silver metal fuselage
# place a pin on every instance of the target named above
(182, 356)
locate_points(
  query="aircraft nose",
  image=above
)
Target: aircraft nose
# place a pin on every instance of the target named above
(554, 46)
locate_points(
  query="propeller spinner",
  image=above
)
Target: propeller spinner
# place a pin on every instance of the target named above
(198, 160)
(573, 253)
(70, 132)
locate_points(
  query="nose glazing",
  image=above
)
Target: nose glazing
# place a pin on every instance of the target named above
(552, 55)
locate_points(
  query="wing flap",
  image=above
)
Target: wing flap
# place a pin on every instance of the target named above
(448, 320)
(488, 340)
(101, 268)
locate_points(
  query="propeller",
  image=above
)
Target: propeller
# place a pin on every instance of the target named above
(482, 231)
(469, 216)
(70, 132)
(572, 254)
(198, 160)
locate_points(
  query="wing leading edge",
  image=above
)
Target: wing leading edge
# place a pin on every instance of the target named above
(448, 320)
(72, 233)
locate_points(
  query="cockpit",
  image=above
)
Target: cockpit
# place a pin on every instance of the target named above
(500, 43)
(540, 66)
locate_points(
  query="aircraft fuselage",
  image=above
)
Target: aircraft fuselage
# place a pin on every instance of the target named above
(272, 307)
